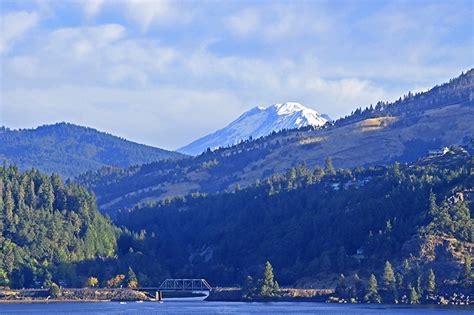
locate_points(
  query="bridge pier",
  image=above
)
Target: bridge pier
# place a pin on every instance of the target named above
(159, 296)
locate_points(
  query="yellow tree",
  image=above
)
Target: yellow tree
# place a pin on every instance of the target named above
(92, 282)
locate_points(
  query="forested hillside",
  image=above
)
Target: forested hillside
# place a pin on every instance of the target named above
(45, 226)
(311, 223)
(402, 131)
(70, 150)
(315, 223)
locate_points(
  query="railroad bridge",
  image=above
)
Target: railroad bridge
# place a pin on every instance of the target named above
(178, 285)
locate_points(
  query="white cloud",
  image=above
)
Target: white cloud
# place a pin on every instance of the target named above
(92, 7)
(244, 23)
(158, 12)
(278, 22)
(169, 83)
(152, 90)
(14, 25)
(90, 55)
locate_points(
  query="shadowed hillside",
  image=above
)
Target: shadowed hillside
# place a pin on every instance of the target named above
(69, 150)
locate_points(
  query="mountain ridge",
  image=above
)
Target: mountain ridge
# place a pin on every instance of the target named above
(70, 149)
(402, 131)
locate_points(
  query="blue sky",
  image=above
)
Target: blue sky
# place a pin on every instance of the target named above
(167, 72)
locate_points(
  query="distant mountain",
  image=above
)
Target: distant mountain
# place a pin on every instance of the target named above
(402, 131)
(256, 123)
(69, 149)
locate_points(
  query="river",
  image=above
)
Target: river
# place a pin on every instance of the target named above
(225, 308)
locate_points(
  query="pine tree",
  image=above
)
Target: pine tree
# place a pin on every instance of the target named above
(433, 206)
(372, 292)
(400, 280)
(9, 214)
(414, 297)
(329, 168)
(467, 267)
(406, 267)
(4, 281)
(2, 214)
(388, 277)
(419, 287)
(132, 278)
(431, 282)
(389, 284)
(269, 286)
(54, 290)
(250, 287)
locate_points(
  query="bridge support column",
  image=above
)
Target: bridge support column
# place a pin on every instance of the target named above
(159, 296)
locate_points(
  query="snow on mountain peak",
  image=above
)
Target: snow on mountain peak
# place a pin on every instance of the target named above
(258, 122)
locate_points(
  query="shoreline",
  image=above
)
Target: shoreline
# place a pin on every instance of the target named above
(88, 295)
(58, 301)
(52, 301)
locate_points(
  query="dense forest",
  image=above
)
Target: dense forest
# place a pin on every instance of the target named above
(311, 223)
(328, 226)
(70, 150)
(45, 224)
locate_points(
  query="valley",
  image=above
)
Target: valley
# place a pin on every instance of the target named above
(384, 194)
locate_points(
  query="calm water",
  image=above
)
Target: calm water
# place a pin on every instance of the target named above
(223, 308)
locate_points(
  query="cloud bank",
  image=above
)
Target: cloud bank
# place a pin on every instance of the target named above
(167, 72)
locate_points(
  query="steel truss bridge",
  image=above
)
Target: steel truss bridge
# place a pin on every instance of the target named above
(185, 285)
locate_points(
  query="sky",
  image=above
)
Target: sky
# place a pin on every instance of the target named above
(165, 73)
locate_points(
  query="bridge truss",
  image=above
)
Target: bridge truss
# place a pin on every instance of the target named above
(185, 285)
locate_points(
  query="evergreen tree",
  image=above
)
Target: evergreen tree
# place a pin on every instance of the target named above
(372, 291)
(132, 278)
(419, 286)
(467, 267)
(414, 297)
(434, 209)
(4, 281)
(9, 214)
(328, 167)
(400, 280)
(250, 288)
(269, 286)
(431, 282)
(54, 290)
(389, 281)
(389, 284)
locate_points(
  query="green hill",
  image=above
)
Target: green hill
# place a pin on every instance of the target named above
(69, 150)
(45, 224)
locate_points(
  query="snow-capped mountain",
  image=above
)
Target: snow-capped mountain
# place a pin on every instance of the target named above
(256, 123)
